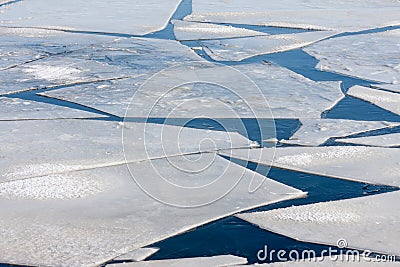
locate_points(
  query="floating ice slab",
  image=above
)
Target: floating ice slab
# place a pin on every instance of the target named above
(242, 48)
(185, 31)
(58, 146)
(327, 15)
(237, 96)
(92, 230)
(356, 163)
(365, 223)
(386, 140)
(385, 100)
(388, 87)
(129, 17)
(371, 57)
(139, 254)
(216, 261)
(19, 109)
(315, 132)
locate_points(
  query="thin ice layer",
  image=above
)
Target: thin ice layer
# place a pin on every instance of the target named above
(315, 132)
(20, 109)
(242, 48)
(328, 15)
(129, 17)
(139, 254)
(357, 163)
(386, 100)
(366, 223)
(386, 140)
(372, 57)
(92, 230)
(20, 45)
(217, 261)
(236, 97)
(59, 146)
(186, 30)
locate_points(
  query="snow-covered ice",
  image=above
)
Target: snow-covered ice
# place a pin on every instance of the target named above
(328, 15)
(216, 261)
(139, 254)
(357, 163)
(128, 17)
(97, 228)
(315, 132)
(373, 57)
(241, 48)
(386, 100)
(386, 140)
(367, 223)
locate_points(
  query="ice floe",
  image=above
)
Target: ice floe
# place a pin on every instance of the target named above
(366, 223)
(315, 132)
(328, 15)
(357, 163)
(371, 57)
(241, 48)
(186, 31)
(139, 254)
(395, 88)
(386, 140)
(98, 228)
(127, 17)
(216, 261)
(386, 100)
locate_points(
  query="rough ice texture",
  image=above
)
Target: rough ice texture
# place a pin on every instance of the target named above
(185, 30)
(130, 17)
(386, 140)
(314, 132)
(371, 57)
(328, 15)
(216, 261)
(92, 230)
(386, 100)
(242, 48)
(366, 223)
(139, 254)
(395, 88)
(59, 146)
(356, 163)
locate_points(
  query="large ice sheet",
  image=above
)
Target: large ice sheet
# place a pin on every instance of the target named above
(288, 94)
(186, 31)
(21, 45)
(19, 109)
(59, 146)
(366, 223)
(371, 57)
(215, 261)
(357, 163)
(91, 230)
(386, 100)
(315, 132)
(386, 140)
(242, 48)
(328, 15)
(129, 17)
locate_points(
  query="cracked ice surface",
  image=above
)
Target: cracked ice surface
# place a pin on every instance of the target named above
(365, 223)
(395, 88)
(186, 30)
(386, 140)
(217, 261)
(139, 254)
(315, 132)
(301, 95)
(95, 229)
(242, 48)
(129, 17)
(373, 57)
(327, 15)
(356, 163)
(59, 146)
(386, 100)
